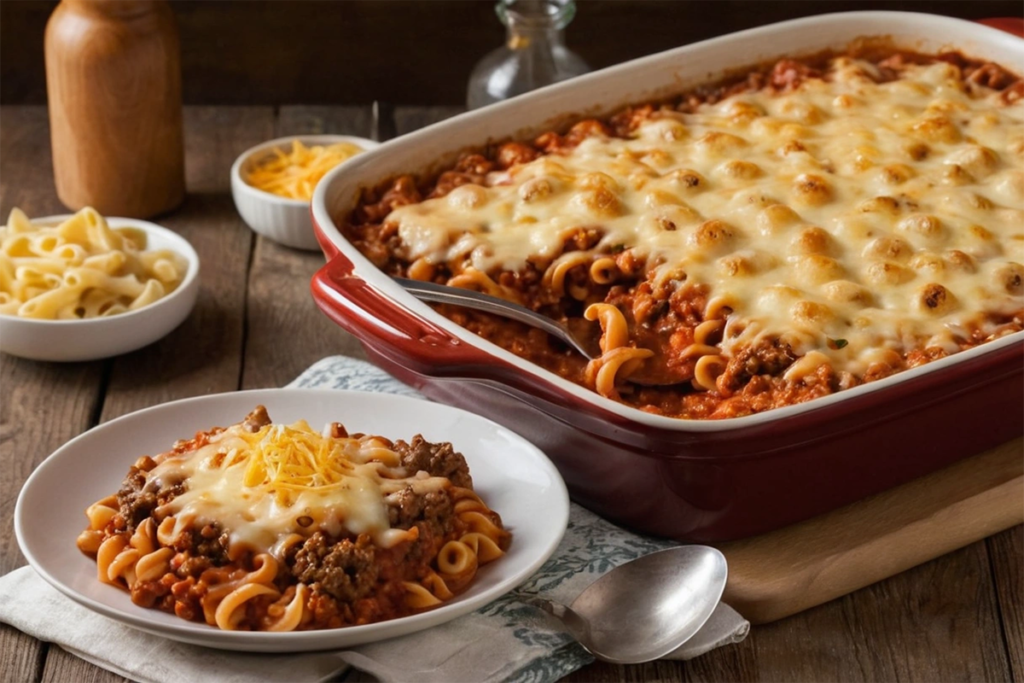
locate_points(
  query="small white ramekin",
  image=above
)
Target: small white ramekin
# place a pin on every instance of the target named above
(283, 220)
(93, 338)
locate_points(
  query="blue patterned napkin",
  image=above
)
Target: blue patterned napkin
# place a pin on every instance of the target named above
(508, 640)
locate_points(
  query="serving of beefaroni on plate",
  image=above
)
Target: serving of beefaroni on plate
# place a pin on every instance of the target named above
(268, 527)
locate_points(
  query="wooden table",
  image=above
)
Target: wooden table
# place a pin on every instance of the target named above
(958, 618)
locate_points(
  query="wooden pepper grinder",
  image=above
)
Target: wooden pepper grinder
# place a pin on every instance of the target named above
(113, 76)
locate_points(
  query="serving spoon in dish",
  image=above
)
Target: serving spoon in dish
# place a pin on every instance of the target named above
(647, 608)
(443, 294)
(588, 346)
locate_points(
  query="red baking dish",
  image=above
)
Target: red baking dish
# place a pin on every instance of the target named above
(688, 479)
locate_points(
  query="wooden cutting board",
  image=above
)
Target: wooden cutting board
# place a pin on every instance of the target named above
(783, 572)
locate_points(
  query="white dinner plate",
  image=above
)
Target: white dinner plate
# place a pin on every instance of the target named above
(512, 476)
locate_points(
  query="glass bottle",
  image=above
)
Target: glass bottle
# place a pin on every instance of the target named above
(533, 54)
(113, 78)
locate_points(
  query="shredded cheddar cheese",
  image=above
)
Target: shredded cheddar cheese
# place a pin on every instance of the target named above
(295, 458)
(294, 174)
(259, 484)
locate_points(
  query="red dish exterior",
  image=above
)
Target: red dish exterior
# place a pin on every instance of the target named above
(692, 484)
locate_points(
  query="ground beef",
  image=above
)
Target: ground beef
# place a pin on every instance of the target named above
(256, 420)
(328, 612)
(134, 501)
(343, 569)
(209, 542)
(192, 566)
(770, 357)
(436, 459)
(138, 497)
(433, 508)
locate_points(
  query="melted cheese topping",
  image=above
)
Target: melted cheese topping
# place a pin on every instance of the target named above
(261, 487)
(889, 215)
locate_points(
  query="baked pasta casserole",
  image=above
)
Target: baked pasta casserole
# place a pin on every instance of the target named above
(270, 527)
(808, 227)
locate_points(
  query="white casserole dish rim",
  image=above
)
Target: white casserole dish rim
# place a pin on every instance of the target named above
(618, 84)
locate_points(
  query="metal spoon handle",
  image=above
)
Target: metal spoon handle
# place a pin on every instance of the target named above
(577, 625)
(442, 294)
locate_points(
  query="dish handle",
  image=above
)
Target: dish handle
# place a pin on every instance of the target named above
(379, 321)
(1014, 25)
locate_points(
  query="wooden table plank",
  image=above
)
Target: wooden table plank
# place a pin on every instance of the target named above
(204, 354)
(277, 312)
(408, 119)
(64, 667)
(280, 304)
(61, 667)
(22, 656)
(1006, 551)
(42, 405)
(933, 622)
(662, 671)
(324, 120)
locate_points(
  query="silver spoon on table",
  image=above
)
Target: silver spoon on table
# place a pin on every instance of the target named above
(644, 609)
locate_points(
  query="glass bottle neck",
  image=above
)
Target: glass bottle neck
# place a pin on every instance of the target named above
(520, 38)
(535, 23)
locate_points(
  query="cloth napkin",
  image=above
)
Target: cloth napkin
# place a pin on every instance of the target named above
(508, 640)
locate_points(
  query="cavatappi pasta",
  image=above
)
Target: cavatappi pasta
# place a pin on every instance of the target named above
(294, 174)
(270, 527)
(807, 228)
(81, 268)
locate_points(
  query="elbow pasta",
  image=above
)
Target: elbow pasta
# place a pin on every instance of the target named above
(81, 268)
(202, 550)
(834, 206)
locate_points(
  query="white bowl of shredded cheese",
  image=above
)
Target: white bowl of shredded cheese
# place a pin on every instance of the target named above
(272, 183)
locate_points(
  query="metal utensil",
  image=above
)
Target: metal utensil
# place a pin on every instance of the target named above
(656, 373)
(383, 127)
(644, 609)
(443, 294)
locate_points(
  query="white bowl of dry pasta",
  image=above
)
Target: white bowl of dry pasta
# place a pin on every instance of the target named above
(272, 183)
(81, 287)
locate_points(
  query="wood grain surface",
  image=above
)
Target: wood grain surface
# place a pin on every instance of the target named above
(783, 572)
(276, 304)
(957, 617)
(1006, 552)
